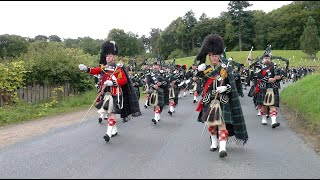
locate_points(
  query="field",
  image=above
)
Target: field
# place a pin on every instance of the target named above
(295, 57)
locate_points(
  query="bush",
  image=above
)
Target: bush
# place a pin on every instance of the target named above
(51, 63)
(195, 51)
(178, 53)
(12, 77)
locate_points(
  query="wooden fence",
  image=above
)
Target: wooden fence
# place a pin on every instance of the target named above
(36, 93)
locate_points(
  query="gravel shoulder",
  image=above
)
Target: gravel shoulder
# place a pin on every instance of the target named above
(14, 133)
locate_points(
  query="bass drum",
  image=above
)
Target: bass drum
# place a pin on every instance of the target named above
(182, 85)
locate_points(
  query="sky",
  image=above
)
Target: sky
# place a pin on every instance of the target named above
(73, 19)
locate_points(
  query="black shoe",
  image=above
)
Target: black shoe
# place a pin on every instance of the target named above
(264, 124)
(199, 120)
(146, 106)
(222, 153)
(100, 120)
(213, 149)
(275, 125)
(170, 113)
(124, 120)
(154, 121)
(194, 101)
(114, 134)
(106, 138)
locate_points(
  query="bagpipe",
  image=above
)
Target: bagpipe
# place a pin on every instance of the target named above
(213, 116)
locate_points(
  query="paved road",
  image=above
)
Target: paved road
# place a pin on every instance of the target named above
(171, 149)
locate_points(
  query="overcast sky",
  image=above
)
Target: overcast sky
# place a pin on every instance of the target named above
(71, 19)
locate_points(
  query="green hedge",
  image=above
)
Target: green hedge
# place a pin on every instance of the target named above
(50, 63)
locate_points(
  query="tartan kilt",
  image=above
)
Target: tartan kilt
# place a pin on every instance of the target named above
(161, 98)
(166, 96)
(262, 93)
(161, 102)
(226, 112)
(176, 95)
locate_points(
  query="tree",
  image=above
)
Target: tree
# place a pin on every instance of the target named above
(71, 43)
(203, 17)
(261, 30)
(12, 46)
(310, 42)
(154, 37)
(238, 17)
(40, 38)
(119, 36)
(54, 38)
(146, 43)
(190, 21)
(129, 43)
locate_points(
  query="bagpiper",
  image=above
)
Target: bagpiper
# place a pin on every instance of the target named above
(194, 82)
(268, 90)
(219, 107)
(116, 89)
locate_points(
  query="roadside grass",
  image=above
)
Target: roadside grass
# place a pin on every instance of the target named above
(303, 98)
(24, 111)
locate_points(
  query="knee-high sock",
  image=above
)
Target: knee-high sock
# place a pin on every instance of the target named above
(157, 114)
(223, 136)
(114, 129)
(184, 92)
(264, 117)
(111, 123)
(146, 103)
(273, 115)
(213, 135)
(171, 106)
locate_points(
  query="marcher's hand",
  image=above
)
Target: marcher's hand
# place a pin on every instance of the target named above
(272, 80)
(83, 67)
(277, 77)
(108, 83)
(221, 89)
(194, 78)
(155, 86)
(202, 67)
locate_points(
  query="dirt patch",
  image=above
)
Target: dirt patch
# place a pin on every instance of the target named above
(17, 132)
(309, 132)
